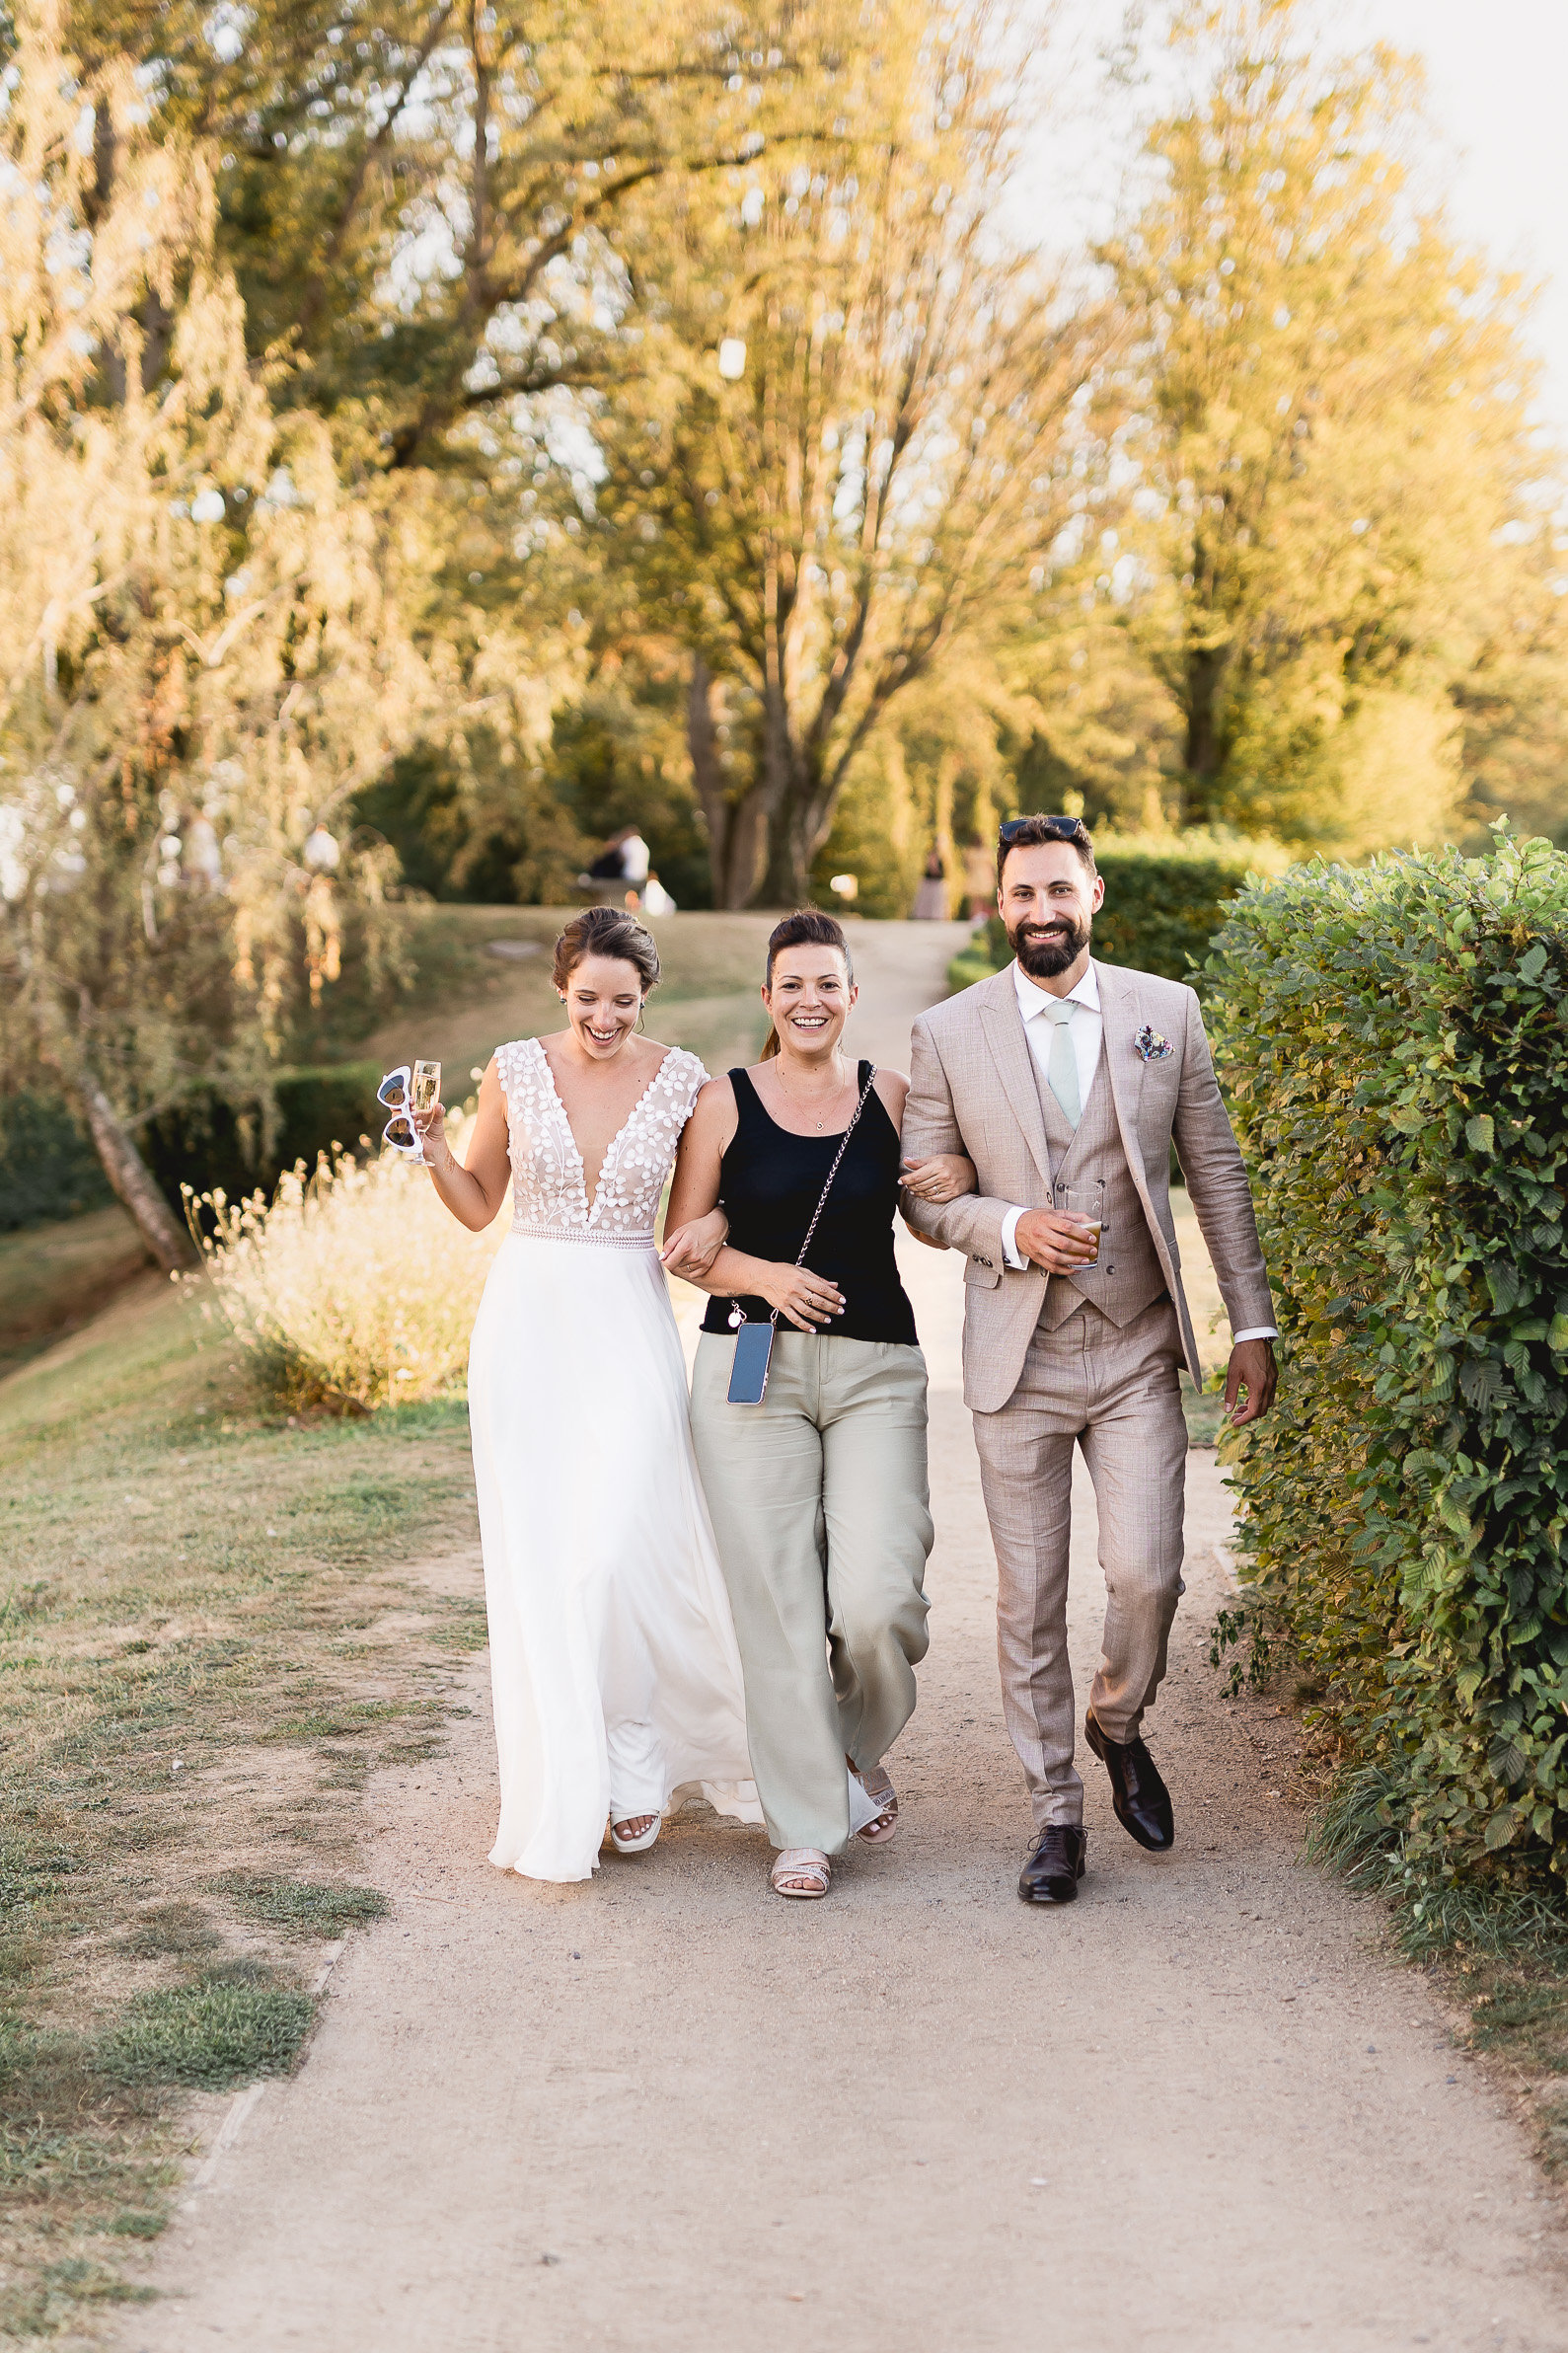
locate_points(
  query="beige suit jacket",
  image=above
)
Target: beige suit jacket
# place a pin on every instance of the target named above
(972, 1089)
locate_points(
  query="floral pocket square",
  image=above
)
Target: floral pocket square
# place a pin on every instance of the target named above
(1152, 1046)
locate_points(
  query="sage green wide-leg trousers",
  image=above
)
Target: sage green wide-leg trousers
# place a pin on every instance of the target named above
(819, 1503)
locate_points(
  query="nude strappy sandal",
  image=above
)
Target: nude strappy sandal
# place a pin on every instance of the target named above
(801, 1863)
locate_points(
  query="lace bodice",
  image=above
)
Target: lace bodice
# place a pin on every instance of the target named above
(549, 1191)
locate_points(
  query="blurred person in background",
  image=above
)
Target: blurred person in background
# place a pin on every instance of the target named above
(931, 899)
(624, 861)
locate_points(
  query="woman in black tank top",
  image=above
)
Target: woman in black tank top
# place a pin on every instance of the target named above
(818, 1494)
(770, 1182)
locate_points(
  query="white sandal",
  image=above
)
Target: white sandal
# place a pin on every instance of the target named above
(639, 1845)
(801, 1863)
(879, 1790)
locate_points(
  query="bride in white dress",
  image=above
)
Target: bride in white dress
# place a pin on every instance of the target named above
(615, 1674)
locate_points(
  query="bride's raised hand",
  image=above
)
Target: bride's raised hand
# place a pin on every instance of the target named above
(692, 1249)
(430, 1127)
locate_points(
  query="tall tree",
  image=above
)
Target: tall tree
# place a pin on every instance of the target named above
(417, 196)
(1340, 477)
(849, 422)
(205, 652)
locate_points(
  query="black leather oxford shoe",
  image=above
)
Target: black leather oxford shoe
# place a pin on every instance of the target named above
(1055, 1866)
(1139, 1795)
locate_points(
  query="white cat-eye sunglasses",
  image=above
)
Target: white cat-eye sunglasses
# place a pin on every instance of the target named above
(401, 1092)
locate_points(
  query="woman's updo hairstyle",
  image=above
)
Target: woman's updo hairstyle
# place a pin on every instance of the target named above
(607, 932)
(806, 928)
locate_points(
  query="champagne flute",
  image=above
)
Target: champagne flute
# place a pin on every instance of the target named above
(424, 1092)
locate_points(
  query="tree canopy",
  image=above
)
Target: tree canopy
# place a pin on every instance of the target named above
(431, 436)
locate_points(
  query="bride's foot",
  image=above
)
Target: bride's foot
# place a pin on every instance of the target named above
(879, 1790)
(636, 1834)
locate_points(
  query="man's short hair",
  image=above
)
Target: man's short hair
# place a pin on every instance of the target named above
(1033, 833)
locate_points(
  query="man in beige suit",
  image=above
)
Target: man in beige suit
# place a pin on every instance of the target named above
(1065, 1080)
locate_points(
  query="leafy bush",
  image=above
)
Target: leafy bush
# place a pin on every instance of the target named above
(1165, 900)
(47, 1167)
(212, 1144)
(214, 2034)
(1394, 1041)
(352, 1288)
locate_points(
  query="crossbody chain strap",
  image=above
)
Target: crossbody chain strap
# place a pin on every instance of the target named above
(827, 1187)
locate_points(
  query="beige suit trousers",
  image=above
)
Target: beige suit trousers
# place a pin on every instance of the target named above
(1115, 1394)
(819, 1505)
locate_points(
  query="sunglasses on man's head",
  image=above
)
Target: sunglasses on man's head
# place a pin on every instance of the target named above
(1066, 829)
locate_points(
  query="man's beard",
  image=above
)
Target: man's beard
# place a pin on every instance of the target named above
(1044, 958)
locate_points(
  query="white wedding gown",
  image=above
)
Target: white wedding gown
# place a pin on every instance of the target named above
(614, 1670)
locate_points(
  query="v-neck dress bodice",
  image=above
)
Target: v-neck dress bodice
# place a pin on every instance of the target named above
(550, 1192)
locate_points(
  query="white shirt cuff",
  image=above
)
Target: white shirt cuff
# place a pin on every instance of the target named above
(1010, 1250)
(1258, 1332)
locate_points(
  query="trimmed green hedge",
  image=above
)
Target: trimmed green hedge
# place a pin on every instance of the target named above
(209, 1142)
(48, 1169)
(1393, 1043)
(1165, 900)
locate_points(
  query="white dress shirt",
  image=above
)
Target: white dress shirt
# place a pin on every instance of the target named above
(1085, 1030)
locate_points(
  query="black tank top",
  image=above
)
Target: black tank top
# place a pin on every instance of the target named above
(770, 1185)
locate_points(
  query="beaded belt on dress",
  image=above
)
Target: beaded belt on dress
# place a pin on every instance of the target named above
(593, 1234)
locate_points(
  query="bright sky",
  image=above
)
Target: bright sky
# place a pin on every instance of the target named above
(1497, 72)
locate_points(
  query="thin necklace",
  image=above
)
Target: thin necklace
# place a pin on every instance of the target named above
(795, 1099)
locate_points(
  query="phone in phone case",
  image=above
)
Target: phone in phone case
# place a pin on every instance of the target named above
(748, 1375)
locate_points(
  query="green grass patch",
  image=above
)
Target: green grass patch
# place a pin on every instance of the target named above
(175, 1711)
(176, 1928)
(212, 2035)
(301, 1907)
(139, 2225)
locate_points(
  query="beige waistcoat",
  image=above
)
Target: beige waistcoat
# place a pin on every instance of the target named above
(1127, 1277)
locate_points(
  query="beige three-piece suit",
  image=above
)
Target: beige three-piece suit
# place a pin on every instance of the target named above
(1089, 1358)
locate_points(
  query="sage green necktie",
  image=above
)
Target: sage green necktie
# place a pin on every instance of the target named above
(1062, 1068)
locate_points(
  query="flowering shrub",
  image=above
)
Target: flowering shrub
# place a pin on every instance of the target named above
(353, 1287)
(1393, 1043)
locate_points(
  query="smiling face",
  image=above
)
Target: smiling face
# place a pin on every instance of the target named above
(1048, 900)
(603, 996)
(810, 999)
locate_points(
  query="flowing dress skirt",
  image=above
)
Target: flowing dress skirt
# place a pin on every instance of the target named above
(614, 1675)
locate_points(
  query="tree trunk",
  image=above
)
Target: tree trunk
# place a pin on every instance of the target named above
(1205, 753)
(130, 1177)
(734, 827)
(791, 849)
(790, 799)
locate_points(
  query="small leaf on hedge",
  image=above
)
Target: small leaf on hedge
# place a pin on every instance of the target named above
(1480, 1133)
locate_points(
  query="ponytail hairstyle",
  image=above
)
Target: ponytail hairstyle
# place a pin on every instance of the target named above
(804, 928)
(607, 932)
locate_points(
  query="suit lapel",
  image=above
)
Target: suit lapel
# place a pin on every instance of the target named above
(1002, 1025)
(1124, 1070)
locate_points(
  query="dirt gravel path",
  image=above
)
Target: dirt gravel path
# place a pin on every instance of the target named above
(1200, 2110)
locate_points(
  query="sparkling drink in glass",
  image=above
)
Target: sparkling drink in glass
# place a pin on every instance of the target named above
(424, 1092)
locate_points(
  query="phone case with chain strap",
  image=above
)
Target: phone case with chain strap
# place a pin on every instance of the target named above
(748, 1374)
